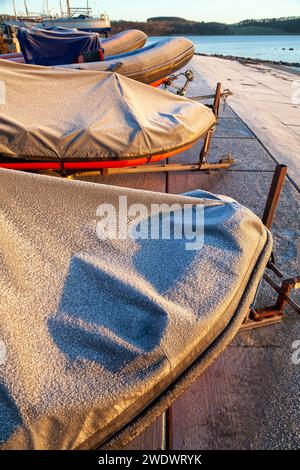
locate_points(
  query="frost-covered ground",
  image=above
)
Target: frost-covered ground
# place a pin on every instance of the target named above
(266, 99)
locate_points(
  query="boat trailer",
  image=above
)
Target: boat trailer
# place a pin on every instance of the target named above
(203, 164)
(256, 318)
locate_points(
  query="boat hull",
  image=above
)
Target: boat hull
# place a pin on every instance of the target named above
(95, 25)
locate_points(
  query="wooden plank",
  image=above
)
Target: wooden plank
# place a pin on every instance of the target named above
(225, 408)
(151, 439)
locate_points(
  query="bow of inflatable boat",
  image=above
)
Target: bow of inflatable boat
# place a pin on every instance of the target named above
(125, 41)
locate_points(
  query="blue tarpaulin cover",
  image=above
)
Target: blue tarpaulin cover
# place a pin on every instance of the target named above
(56, 47)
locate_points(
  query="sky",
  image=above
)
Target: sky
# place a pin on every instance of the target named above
(226, 11)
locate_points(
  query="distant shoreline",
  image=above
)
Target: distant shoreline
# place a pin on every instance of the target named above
(172, 25)
(248, 60)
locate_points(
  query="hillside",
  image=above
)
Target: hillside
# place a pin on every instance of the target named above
(267, 26)
(255, 30)
(168, 26)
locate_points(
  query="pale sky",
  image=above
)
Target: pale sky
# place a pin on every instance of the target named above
(227, 11)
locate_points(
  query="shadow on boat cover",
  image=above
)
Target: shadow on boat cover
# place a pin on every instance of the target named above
(103, 333)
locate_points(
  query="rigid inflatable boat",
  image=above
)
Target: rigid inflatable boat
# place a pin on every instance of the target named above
(102, 335)
(118, 44)
(91, 119)
(148, 64)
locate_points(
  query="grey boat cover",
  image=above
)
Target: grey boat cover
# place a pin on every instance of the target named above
(151, 63)
(93, 329)
(60, 114)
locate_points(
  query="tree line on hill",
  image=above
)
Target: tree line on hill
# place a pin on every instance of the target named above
(288, 25)
(168, 26)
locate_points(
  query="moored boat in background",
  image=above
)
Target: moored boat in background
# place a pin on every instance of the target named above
(79, 18)
(73, 18)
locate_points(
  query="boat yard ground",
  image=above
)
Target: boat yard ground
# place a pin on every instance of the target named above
(250, 397)
(267, 99)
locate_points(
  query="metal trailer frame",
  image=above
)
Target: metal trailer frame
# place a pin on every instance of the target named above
(67, 169)
(257, 318)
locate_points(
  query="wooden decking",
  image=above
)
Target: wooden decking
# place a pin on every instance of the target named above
(250, 397)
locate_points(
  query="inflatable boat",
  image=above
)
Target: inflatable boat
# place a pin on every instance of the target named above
(118, 44)
(91, 119)
(149, 64)
(125, 41)
(103, 334)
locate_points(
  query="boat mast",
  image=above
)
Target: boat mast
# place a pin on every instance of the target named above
(26, 8)
(15, 10)
(61, 10)
(68, 8)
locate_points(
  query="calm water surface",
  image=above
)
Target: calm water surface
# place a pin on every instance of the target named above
(256, 47)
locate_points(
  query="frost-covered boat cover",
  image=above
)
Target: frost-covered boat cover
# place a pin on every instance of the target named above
(52, 114)
(92, 330)
(55, 47)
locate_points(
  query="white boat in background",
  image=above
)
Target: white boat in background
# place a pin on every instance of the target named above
(81, 22)
(79, 18)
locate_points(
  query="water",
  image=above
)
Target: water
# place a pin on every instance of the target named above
(255, 47)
